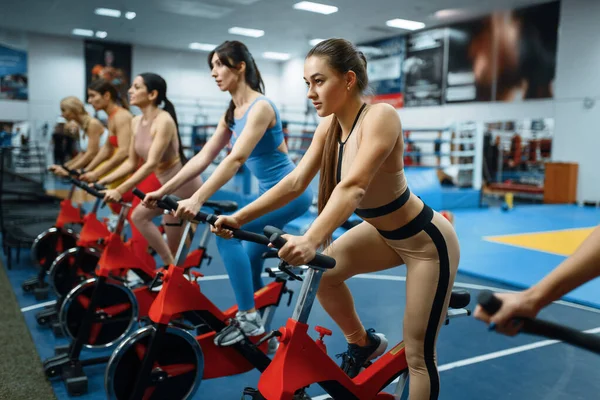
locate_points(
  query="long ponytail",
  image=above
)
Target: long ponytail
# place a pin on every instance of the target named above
(232, 54)
(170, 108)
(328, 167)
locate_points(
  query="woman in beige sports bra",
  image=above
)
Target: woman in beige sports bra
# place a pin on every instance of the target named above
(359, 151)
(157, 144)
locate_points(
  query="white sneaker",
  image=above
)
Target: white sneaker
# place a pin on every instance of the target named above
(244, 324)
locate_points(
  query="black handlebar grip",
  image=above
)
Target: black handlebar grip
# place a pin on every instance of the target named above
(137, 192)
(320, 260)
(274, 235)
(71, 172)
(98, 186)
(170, 202)
(91, 190)
(490, 303)
(560, 332)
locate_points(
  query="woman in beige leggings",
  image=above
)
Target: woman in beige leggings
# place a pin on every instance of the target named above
(359, 150)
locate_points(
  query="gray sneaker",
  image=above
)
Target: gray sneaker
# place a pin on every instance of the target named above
(240, 327)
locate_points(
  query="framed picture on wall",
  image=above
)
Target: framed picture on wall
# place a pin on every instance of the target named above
(424, 68)
(384, 68)
(526, 40)
(109, 61)
(470, 73)
(13, 73)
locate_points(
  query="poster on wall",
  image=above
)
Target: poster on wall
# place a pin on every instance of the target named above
(384, 68)
(13, 73)
(470, 72)
(109, 61)
(526, 41)
(423, 68)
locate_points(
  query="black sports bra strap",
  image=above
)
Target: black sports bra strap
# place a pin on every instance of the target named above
(342, 144)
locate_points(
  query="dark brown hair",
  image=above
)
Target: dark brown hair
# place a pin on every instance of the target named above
(342, 56)
(231, 54)
(102, 86)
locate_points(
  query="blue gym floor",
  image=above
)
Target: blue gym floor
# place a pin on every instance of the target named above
(474, 363)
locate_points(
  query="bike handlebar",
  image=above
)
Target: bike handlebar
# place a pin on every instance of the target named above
(171, 202)
(82, 185)
(491, 304)
(274, 234)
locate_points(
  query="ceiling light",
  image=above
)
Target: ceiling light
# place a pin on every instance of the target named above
(315, 7)
(449, 13)
(405, 24)
(256, 33)
(130, 15)
(202, 46)
(107, 12)
(315, 42)
(101, 34)
(276, 56)
(83, 32)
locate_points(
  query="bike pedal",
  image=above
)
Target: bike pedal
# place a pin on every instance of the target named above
(253, 393)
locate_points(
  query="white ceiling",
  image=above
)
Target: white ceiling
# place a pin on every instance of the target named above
(176, 23)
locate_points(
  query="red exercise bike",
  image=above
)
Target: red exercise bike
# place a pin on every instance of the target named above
(53, 241)
(301, 361)
(76, 264)
(165, 361)
(102, 310)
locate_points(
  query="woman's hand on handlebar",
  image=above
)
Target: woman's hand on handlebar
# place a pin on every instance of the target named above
(514, 305)
(299, 250)
(187, 209)
(151, 199)
(112, 196)
(59, 171)
(228, 220)
(89, 177)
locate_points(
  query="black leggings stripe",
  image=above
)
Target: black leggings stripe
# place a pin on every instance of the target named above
(437, 307)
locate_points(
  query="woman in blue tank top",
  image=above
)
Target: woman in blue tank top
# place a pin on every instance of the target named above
(253, 126)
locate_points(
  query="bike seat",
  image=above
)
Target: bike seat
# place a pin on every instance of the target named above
(221, 206)
(459, 299)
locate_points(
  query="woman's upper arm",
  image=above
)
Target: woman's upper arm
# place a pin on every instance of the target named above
(164, 130)
(381, 127)
(259, 118)
(311, 161)
(132, 154)
(219, 139)
(95, 131)
(123, 129)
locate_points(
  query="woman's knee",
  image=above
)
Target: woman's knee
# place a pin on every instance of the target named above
(140, 217)
(330, 280)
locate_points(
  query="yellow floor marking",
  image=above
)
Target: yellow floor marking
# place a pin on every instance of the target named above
(563, 242)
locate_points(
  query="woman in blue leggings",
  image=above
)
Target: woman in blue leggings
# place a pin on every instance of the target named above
(253, 126)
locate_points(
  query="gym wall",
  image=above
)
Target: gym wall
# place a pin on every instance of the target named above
(576, 137)
(56, 69)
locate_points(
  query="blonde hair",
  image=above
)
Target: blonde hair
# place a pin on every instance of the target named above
(75, 105)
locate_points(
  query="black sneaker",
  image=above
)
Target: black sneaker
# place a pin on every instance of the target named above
(355, 358)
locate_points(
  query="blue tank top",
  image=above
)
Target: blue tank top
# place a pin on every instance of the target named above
(266, 163)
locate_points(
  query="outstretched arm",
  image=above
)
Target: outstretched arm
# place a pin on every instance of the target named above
(200, 161)
(581, 267)
(259, 119)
